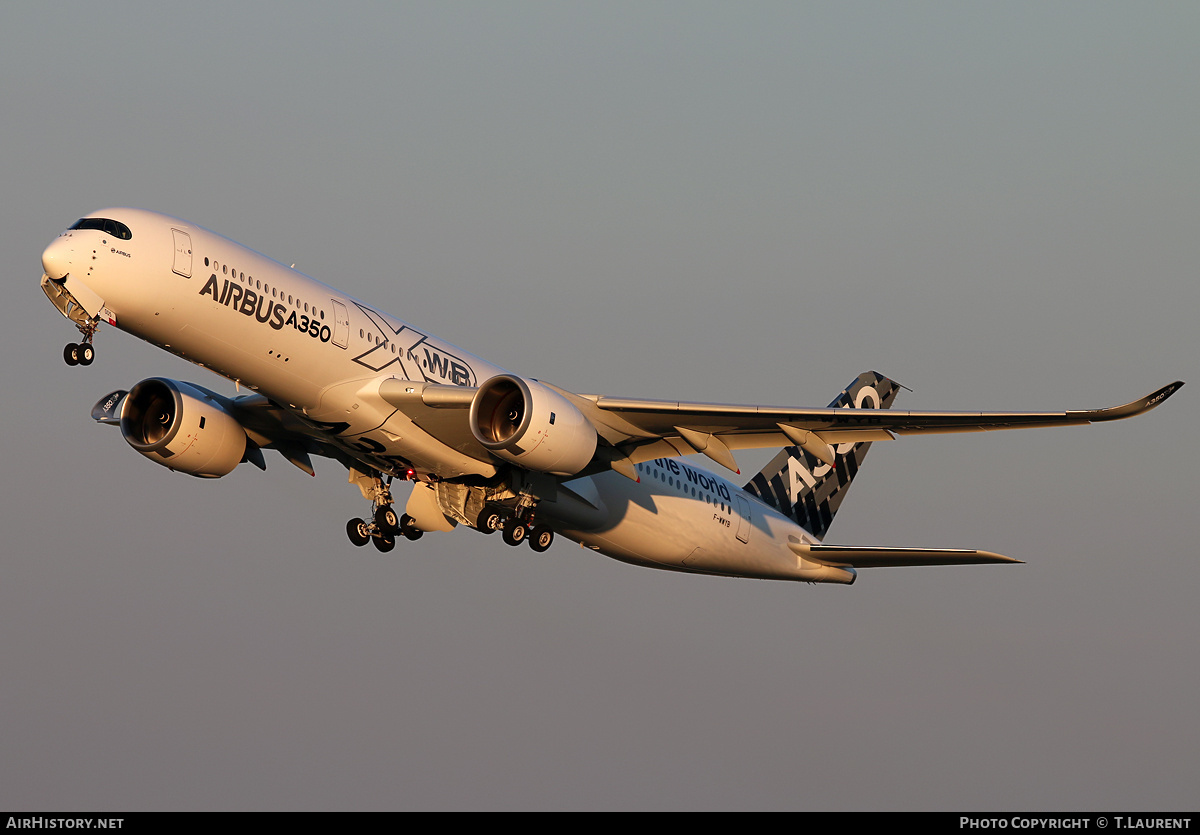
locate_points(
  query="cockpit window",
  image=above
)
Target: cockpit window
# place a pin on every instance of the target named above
(111, 227)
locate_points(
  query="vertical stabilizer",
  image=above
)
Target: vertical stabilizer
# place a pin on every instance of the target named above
(799, 485)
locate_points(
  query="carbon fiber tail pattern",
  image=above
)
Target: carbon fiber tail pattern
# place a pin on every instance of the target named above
(808, 490)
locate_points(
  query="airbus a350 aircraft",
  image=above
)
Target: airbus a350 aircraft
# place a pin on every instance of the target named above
(483, 447)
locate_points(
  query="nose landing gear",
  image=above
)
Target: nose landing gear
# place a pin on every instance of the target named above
(81, 353)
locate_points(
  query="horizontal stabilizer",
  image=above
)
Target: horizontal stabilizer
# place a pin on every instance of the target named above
(885, 557)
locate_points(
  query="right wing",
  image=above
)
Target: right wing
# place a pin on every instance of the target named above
(646, 429)
(640, 430)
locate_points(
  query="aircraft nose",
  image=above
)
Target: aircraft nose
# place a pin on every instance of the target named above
(56, 259)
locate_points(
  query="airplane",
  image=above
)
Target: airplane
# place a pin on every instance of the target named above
(329, 375)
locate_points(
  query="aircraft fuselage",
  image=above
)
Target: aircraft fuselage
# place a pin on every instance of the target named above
(322, 354)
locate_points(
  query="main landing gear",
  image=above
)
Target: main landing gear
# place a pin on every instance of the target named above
(385, 524)
(383, 530)
(514, 519)
(516, 528)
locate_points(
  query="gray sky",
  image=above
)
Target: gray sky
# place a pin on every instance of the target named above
(995, 204)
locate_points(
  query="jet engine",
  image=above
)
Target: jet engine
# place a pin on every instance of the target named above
(532, 425)
(183, 427)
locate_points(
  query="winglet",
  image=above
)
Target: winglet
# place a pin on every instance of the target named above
(1137, 407)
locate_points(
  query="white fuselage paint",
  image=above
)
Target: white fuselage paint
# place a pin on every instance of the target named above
(322, 353)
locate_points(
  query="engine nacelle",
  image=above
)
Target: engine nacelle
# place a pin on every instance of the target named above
(529, 424)
(182, 427)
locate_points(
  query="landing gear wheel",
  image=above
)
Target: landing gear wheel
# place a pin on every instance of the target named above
(86, 353)
(489, 521)
(408, 527)
(71, 354)
(386, 518)
(384, 542)
(357, 530)
(515, 531)
(541, 538)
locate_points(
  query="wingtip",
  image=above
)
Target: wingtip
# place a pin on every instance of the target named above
(1137, 407)
(1163, 393)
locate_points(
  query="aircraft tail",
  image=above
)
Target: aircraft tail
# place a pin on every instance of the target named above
(799, 485)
